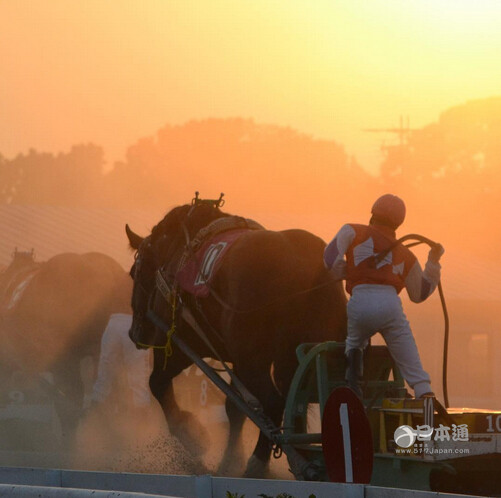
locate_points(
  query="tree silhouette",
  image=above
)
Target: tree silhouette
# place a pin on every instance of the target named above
(453, 168)
(235, 156)
(70, 179)
(463, 148)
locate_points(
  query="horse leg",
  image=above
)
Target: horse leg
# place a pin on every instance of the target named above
(257, 380)
(274, 395)
(182, 424)
(273, 407)
(233, 457)
(67, 392)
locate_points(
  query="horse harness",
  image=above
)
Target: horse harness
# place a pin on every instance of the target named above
(171, 294)
(171, 291)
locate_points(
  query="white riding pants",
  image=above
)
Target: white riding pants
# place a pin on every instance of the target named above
(377, 308)
(119, 353)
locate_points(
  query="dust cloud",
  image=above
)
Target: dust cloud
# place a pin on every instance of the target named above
(108, 440)
(116, 437)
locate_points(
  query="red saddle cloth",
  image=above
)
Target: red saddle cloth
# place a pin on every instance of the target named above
(198, 272)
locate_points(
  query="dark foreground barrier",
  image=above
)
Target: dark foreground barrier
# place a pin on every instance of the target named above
(18, 490)
(48, 483)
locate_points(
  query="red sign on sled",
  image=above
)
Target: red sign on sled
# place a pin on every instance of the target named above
(347, 438)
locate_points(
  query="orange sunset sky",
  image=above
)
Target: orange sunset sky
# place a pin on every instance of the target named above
(110, 72)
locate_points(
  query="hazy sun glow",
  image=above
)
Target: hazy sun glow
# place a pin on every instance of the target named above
(113, 71)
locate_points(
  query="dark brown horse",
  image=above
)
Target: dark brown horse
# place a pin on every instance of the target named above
(270, 294)
(52, 315)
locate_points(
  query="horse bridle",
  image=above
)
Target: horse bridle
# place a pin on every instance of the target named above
(169, 293)
(150, 295)
(138, 262)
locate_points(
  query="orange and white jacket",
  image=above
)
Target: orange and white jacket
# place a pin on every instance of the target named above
(399, 268)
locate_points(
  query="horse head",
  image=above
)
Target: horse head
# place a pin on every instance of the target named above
(163, 249)
(142, 273)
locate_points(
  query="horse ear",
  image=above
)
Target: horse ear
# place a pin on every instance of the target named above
(134, 239)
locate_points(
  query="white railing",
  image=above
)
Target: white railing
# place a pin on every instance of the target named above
(48, 483)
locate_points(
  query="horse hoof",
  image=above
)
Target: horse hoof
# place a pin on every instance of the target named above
(256, 468)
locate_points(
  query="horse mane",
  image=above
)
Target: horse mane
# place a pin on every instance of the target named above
(194, 218)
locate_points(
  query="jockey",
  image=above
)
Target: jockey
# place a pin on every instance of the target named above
(373, 285)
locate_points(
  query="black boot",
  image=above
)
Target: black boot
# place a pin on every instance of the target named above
(354, 371)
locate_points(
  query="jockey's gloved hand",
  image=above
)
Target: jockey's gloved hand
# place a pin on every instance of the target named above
(436, 253)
